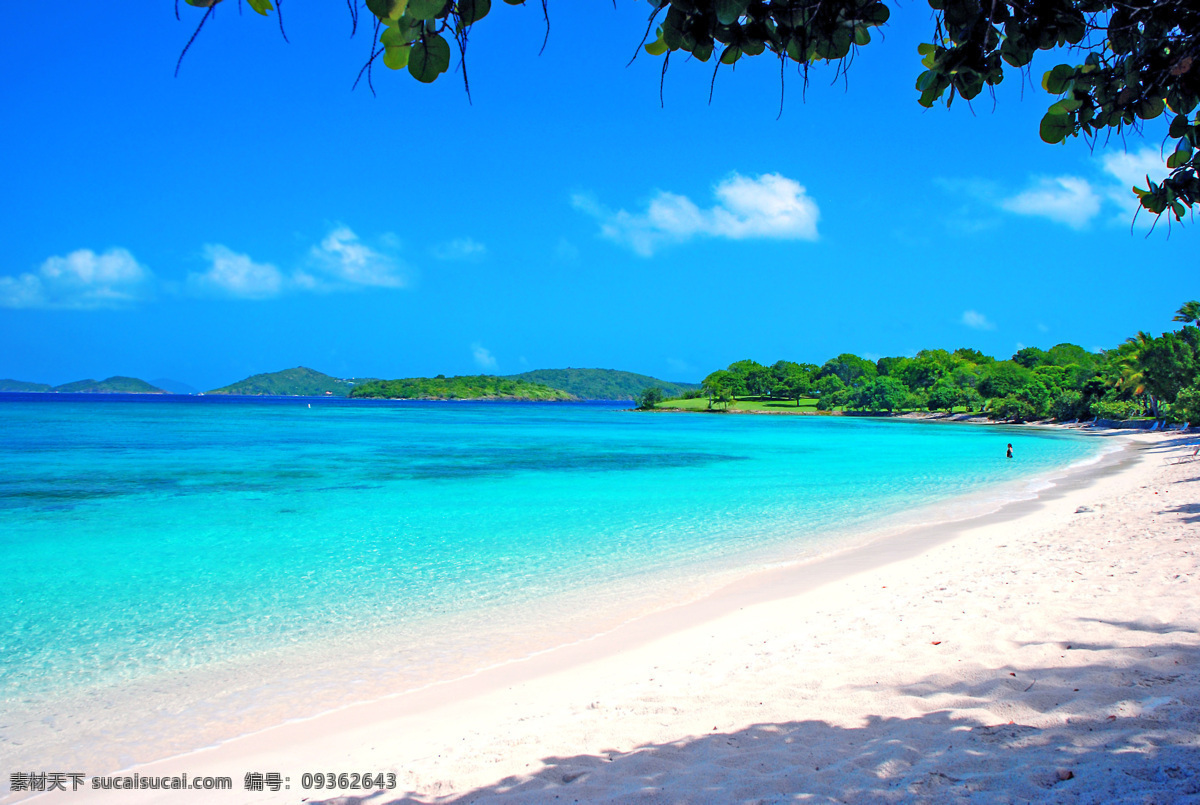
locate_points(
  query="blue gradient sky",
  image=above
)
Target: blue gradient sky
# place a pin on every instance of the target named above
(255, 214)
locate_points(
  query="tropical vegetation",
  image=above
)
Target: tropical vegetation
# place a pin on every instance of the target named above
(470, 387)
(603, 384)
(1145, 376)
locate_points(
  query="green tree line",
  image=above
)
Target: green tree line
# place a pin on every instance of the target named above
(466, 387)
(1143, 376)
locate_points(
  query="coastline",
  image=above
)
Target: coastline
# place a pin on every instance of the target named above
(507, 720)
(142, 720)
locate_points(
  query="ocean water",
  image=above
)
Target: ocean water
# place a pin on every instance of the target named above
(150, 539)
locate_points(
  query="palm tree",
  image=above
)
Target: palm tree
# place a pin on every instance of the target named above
(1189, 313)
(1126, 363)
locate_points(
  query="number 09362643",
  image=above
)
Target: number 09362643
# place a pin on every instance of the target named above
(348, 780)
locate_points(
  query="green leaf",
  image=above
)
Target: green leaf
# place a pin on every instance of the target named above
(397, 58)
(1150, 108)
(1055, 81)
(729, 11)
(261, 6)
(1179, 210)
(861, 35)
(926, 49)
(731, 54)
(1179, 126)
(395, 37)
(659, 46)
(381, 8)
(429, 58)
(703, 50)
(1055, 128)
(470, 11)
(426, 9)
(1180, 157)
(839, 46)
(877, 14)
(1065, 106)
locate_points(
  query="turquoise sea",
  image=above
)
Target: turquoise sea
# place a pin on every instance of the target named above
(195, 539)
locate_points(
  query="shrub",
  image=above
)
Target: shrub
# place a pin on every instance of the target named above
(1187, 404)
(1116, 409)
(650, 397)
(1069, 405)
(1012, 407)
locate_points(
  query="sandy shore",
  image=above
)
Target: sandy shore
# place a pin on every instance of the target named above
(1050, 653)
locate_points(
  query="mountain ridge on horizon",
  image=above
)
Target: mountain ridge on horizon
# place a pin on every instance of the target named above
(301, 381)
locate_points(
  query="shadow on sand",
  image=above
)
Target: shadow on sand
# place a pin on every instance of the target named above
(1134, 739)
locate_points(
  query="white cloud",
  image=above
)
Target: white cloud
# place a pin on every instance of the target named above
(233, 274)
(769, 206)
(347, 261)
(81, 280)
(1076, 200)
(976, 320)
(1068, 200)
(1132, 169)
(483, 356)
(459, 249)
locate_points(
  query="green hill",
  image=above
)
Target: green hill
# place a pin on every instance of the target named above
(298, 382)
(601, 384)
(21, 385)
(112, 385)
(470, 387)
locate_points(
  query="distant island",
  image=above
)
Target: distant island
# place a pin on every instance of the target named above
(298, 382)
(540, 384)
(112, 385)
(575, 384)
(603, 384)
(468, 387)
(23, 385)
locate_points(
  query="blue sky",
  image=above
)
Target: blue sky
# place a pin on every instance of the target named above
(254, 214)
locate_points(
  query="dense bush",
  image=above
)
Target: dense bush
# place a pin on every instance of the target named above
(1117, 409)
(1187, 405)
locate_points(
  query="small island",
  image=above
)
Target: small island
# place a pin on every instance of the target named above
(465, 387)
(112, 385)
(298, 382)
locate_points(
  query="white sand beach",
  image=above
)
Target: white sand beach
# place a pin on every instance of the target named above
(1049, 653)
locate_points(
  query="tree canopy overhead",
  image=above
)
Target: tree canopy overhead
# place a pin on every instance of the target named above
(1130, 60)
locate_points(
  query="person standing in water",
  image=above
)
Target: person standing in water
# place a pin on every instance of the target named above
(1010, 450)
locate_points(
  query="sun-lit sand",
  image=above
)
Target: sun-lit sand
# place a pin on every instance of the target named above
(1049, 653)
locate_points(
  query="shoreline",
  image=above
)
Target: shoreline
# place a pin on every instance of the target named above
(968, 418)
(364, 724)
(224, 700)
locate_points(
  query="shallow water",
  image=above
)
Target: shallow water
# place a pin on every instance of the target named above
(149, 538)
